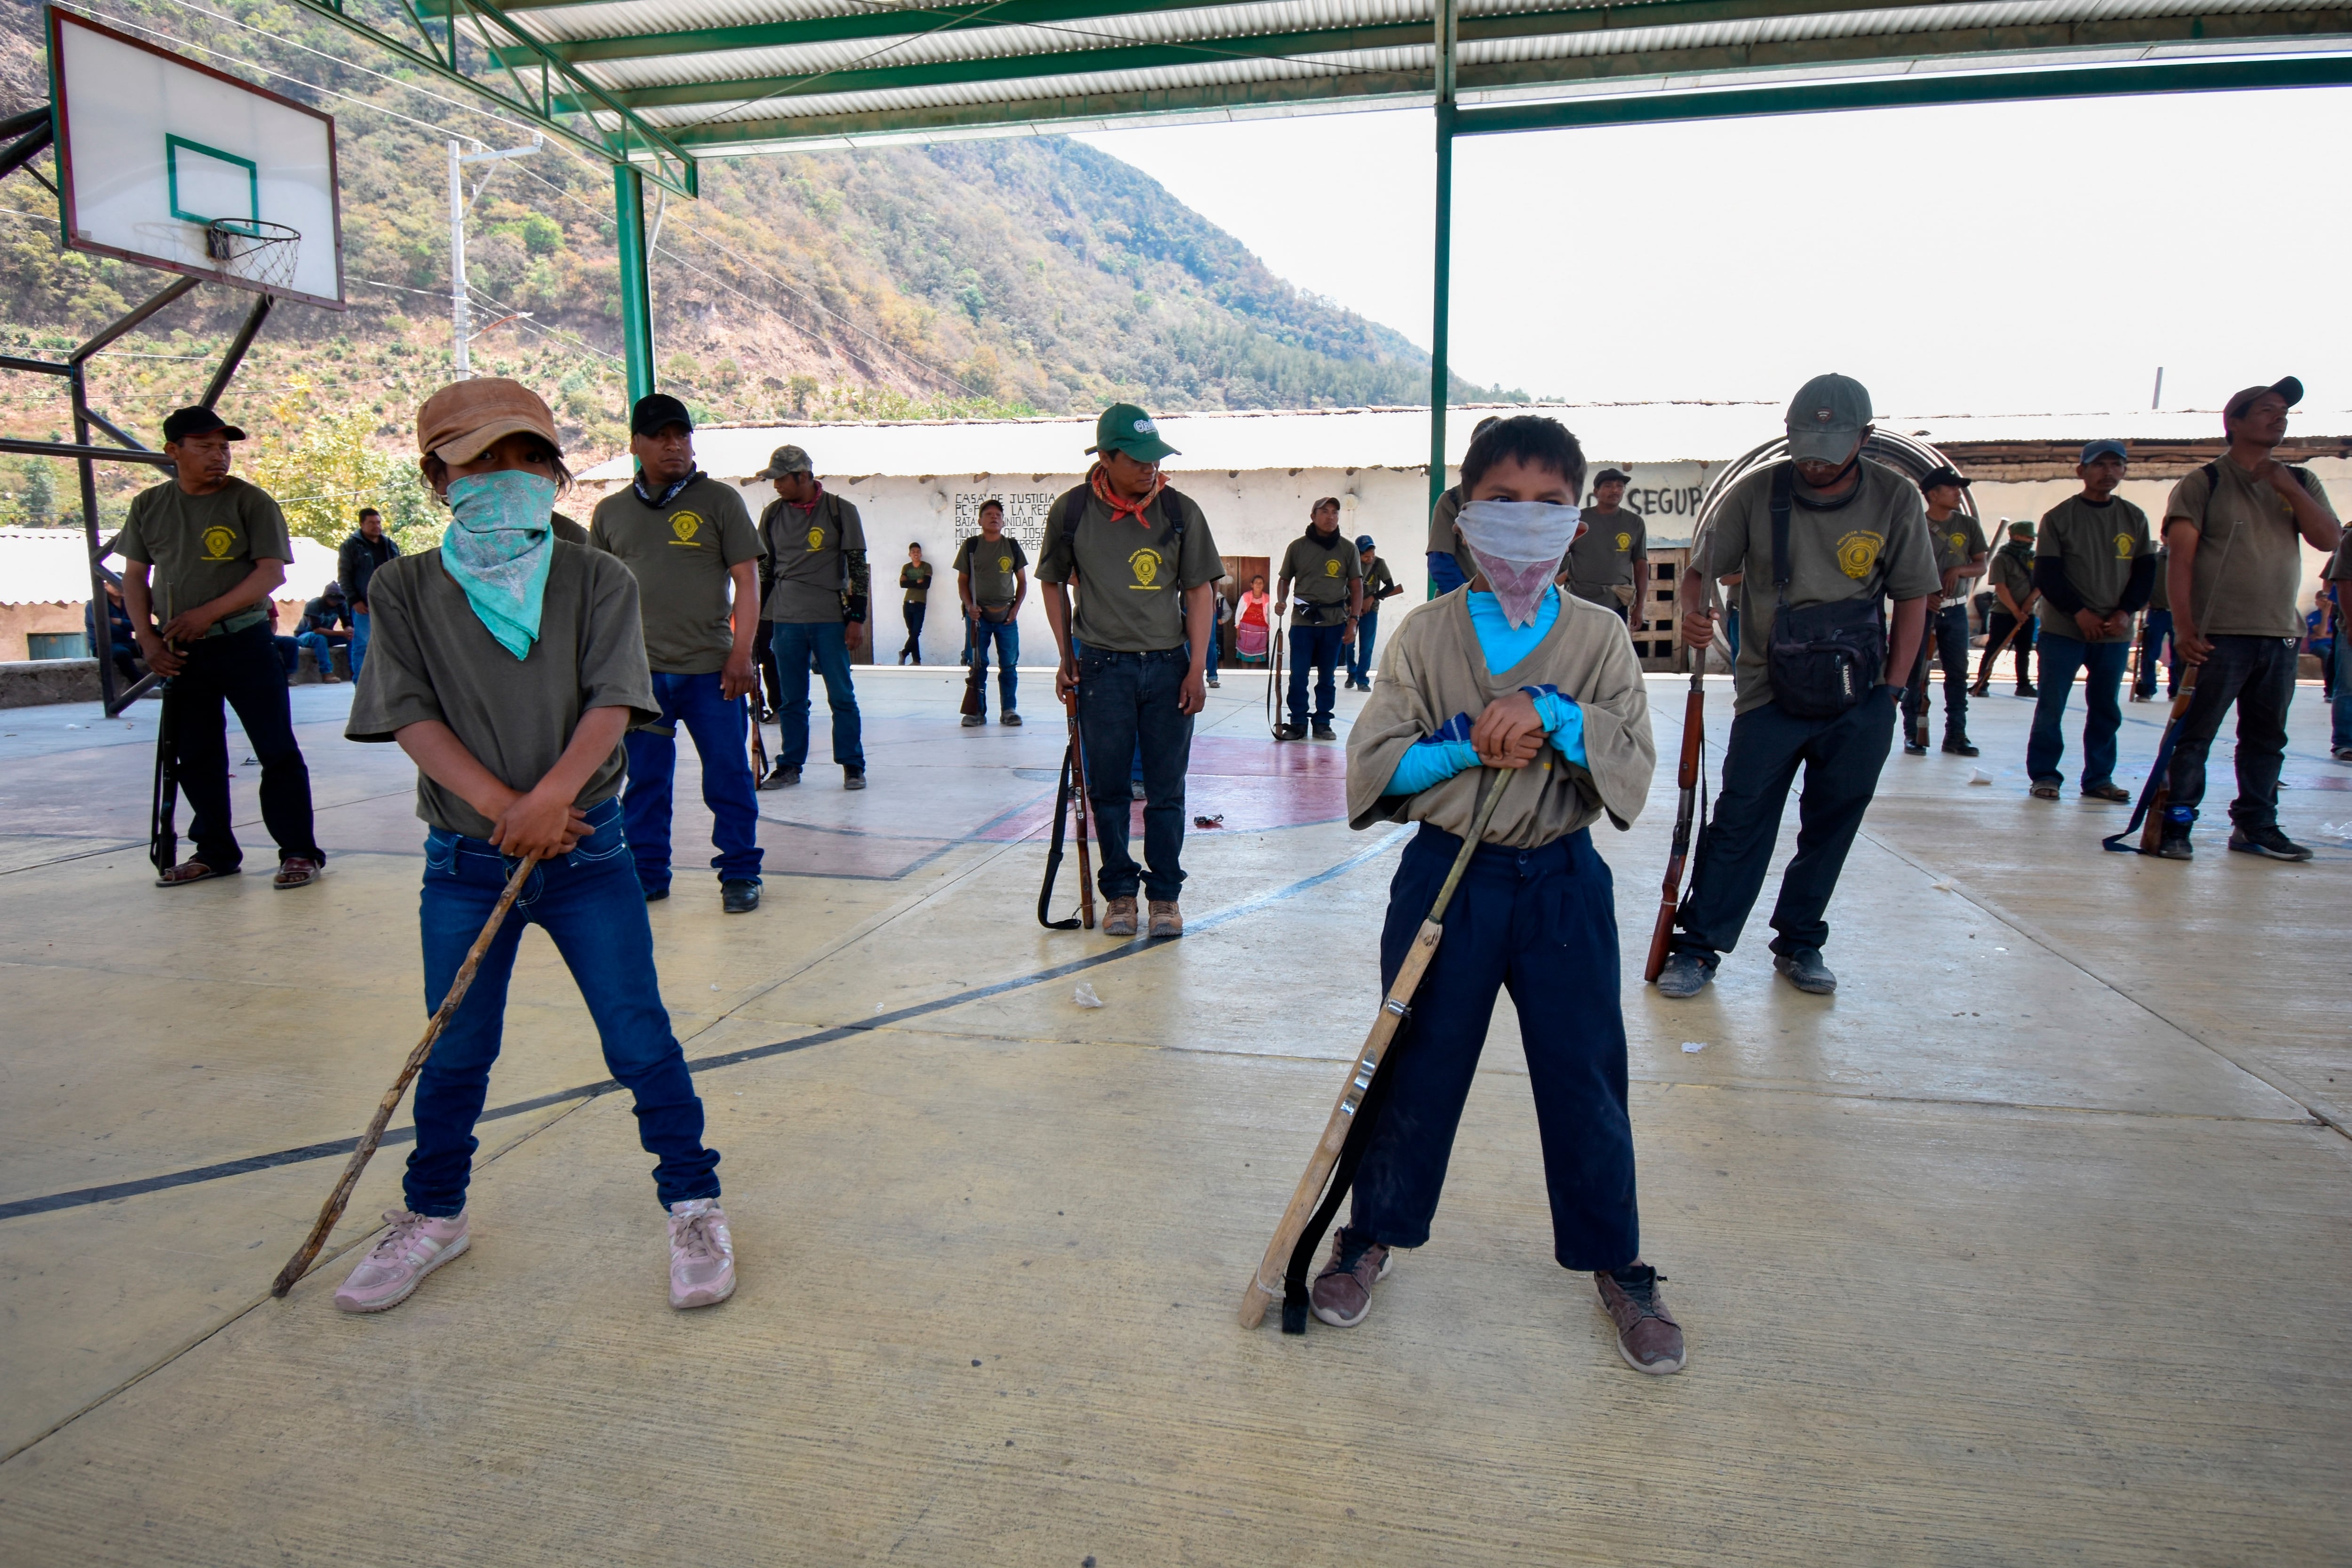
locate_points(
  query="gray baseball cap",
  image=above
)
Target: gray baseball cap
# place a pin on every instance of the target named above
(786, 461)
(1826, 417)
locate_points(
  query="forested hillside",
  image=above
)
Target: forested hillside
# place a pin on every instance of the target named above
(1026, 276)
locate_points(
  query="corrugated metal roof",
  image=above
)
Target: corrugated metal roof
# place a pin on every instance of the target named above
(51, 566)
(738, 75)
(1380, 437)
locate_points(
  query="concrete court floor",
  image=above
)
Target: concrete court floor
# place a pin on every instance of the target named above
(2029, 1246)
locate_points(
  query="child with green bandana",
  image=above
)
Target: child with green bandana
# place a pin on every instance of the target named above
(508, 664)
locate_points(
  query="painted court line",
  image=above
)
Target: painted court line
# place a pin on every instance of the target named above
(196, 1176)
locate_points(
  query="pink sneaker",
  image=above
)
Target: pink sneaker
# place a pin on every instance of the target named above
(701, 1254)
(398, 1265)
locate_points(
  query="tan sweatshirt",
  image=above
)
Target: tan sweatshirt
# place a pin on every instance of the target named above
(1434, 668)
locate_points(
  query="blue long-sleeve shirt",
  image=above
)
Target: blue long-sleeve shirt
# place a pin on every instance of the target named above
(1438, 757)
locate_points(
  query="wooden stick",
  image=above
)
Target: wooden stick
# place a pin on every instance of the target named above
(1662, 935)
(300, 1264)
(1361, 1072)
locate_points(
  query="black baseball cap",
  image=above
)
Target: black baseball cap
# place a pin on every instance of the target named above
(1935, 479)
(187, 422)
(656, 412)
(1611, 477)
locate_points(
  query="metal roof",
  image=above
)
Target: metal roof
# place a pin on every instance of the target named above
(660, 82)
(1389, 437)
(51, 566)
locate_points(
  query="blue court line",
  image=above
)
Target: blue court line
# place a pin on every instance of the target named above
(343, 1146)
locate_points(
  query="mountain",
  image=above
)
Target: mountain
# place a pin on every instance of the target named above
(969, 278)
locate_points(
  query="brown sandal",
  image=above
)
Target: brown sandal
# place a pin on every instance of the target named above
(188, 871)
(297, 871)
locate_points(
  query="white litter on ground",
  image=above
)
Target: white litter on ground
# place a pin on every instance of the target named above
(1979, 776)
(1693, 1047)
(1084, 996)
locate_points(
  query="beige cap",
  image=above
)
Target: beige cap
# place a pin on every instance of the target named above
(464, 419)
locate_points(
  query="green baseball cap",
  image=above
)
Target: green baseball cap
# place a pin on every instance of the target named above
(1127, 428)
(1826, 417)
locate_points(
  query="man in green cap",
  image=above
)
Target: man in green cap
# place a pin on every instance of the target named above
(815, 585)
(1135, 656)
(1820, 541)
(2013, 597)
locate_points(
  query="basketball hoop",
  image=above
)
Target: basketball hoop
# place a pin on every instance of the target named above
(262, 255)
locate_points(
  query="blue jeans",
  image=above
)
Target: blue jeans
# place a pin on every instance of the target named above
(1004, 636)
(2102, 664)
(1216, 634)
(1318, 646)
(727, 786)
(588, 903)
(2155, 632)
(359, 641)
(2258, 675)
(1541, 922)
(1359, 662)
(1126, 701)
(796, 643)
(323, 651)
(2339, 736)
(1842, 758)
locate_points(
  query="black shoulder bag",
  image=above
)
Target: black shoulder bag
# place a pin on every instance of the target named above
(1824, 659)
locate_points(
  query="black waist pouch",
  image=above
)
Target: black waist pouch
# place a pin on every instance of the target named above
(1823, 660)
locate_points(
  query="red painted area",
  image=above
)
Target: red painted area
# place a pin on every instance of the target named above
(1253, 785)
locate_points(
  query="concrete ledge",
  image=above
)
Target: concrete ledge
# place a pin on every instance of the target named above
(27, 683)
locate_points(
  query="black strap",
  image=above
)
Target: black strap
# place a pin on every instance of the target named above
(1053, 848)
(1366, 1122)
(163, 811)
(1781, 503)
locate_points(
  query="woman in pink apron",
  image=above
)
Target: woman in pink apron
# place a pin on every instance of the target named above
(1249, 626)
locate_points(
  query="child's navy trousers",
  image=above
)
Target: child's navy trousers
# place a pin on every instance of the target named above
(1543, 922)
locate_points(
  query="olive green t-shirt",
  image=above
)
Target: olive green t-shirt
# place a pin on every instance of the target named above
(1130, 579)
(680, 553)
(805, 546)
(1874, 547)
(1378, 581)
(429, 657)
(2160, 595)
(1958, 540)
(2013, 568)
(202, 546)
(917, 581)
(2096, 546)
(993, 567)
(1319, 572)
(1602, 555)
(1443, 540)
(2247, 578)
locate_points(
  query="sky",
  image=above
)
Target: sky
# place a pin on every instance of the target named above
(2004, 259)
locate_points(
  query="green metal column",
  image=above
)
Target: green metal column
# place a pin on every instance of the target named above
(637, 295)
(1441, 297)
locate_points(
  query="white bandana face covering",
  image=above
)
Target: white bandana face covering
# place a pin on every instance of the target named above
(1517, 546)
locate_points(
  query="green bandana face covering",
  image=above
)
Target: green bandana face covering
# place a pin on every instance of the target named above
(499, 545)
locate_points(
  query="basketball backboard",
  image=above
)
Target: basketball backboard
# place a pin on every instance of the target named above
(174, 165)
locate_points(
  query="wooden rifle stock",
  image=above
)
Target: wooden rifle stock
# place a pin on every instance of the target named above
(1686, 779)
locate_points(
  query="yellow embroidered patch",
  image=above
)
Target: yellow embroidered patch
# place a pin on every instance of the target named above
(1145, 564)
(218, 542)
(1857, 554)
(816, 539)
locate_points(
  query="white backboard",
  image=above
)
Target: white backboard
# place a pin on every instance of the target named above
(152, 147)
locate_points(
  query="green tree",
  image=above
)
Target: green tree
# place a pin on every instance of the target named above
(321, 469)
(40, 495)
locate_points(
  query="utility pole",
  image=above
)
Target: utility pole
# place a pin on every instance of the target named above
(461, 321)
(2157, 401)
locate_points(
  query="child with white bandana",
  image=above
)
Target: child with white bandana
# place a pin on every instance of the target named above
(1509, 672)
(508, 664)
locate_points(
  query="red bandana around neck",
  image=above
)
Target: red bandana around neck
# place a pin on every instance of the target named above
(1120, 506)
(810, 503)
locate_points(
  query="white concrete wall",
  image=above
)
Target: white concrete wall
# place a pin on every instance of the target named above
(1257, 512)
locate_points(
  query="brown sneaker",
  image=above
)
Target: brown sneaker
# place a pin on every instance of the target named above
(1343, 1291)
(1167, 919)
(1118, 916)
(1647, 1335)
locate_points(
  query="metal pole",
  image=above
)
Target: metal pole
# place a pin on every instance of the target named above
(101, 641)
(637, 296)
(1443, 272)
(461, 328)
